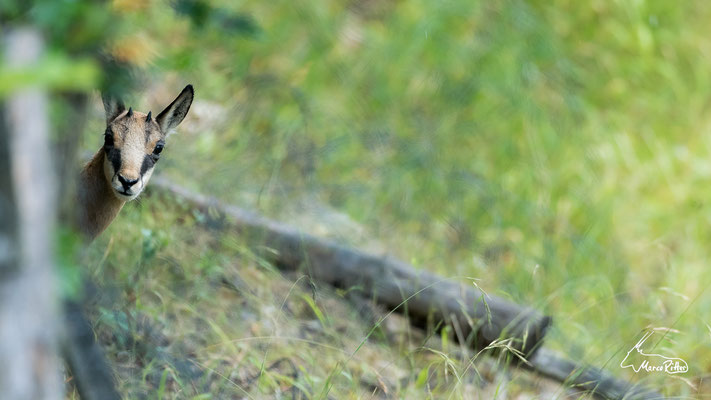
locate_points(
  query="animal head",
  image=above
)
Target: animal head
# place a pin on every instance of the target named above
(133, 142)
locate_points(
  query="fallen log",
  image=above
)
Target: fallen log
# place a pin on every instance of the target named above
(427, 299)
(423, 296)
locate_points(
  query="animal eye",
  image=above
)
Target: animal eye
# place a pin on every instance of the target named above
(158, 149)
(108, 140)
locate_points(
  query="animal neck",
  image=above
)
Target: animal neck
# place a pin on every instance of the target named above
(98, 205)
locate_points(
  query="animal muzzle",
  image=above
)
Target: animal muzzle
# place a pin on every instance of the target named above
(126, 186)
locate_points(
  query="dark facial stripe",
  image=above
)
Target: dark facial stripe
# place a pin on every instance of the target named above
(148, 162)
(114, 156)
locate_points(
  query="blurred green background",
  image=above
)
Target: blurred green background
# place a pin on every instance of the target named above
(557, 151)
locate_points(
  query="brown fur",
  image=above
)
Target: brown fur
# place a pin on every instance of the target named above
(98, 205)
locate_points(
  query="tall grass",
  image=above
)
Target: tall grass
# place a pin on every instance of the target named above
(559, 151)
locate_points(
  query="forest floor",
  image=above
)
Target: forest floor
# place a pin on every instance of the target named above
(186, 310)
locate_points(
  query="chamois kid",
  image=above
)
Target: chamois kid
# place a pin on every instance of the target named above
(120, 170)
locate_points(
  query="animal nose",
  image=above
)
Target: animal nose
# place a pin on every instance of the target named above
(126, 183)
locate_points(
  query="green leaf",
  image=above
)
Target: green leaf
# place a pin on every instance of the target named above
(53, 72)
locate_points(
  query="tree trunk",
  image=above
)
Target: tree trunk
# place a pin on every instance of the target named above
(29, 367)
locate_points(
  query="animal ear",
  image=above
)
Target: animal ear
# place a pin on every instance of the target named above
(176, 111)
(112, 106)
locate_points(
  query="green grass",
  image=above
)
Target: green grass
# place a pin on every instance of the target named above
(190, 315)
(558, 151)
